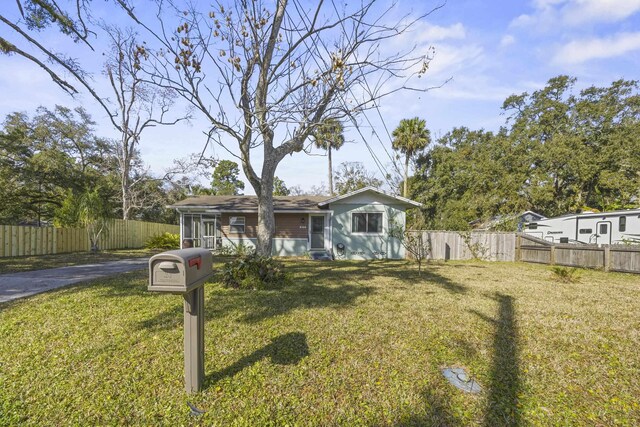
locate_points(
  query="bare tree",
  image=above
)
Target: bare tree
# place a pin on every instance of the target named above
(137, 106)
(416, 242)
(133, 106)
(73, 19)
(267, 74)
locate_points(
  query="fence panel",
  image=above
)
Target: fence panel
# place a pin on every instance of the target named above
(575, 256)
(607, 257)
(453, 245)
(24, 240)
(625, 259)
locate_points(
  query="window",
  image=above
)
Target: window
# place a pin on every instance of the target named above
(586, 231)
(604, 228)
(532, 226)
(622, 225)
(366, 222)
(236, 224)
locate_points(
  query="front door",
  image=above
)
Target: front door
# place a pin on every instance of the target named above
(317, 232)
(603, 233)
(209, 237)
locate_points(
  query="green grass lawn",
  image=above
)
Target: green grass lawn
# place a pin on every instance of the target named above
(348, 343)
(40, 262)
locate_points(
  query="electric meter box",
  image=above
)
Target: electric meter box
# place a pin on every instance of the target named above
(180, 271)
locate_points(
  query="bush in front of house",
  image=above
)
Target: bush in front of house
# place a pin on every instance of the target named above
(254, 271)
(163, 241)
(238, 250)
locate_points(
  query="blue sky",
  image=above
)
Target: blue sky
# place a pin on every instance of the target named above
(490, 50)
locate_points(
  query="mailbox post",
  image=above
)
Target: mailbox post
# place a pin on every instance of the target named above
(184, 272)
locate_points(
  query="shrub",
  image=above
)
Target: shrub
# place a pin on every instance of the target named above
(238, 250)
(565, 275)
(163, 241)
(254, 271)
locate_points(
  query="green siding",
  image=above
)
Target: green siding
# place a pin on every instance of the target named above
(366, 246)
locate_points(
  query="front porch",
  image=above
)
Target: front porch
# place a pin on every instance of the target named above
(201, 230)
(296, 232)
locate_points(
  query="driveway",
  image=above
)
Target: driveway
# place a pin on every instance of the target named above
(20, 285)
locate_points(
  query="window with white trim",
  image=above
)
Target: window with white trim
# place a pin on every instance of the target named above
(366, 222)
(236, 224)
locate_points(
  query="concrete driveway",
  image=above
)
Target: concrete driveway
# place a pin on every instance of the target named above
(20, 285)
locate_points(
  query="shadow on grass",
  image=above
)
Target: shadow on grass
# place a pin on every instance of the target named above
(505, 384)
(437, 411)
(258, 306)
(314, 285)
(287, 349)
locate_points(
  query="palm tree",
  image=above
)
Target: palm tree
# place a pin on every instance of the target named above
(328, 135)
(409, 137)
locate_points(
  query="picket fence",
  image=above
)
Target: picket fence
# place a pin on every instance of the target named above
(16, 240)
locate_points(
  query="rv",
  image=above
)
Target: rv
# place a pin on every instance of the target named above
(603, 228)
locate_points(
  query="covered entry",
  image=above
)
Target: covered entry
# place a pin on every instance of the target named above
(317, 231)
(202, 229)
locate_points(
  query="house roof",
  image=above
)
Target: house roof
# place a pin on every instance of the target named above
(250, 203)
(280, 203)
(400, 199)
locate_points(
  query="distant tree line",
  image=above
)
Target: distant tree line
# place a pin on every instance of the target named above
(53, 162)
(558, 152)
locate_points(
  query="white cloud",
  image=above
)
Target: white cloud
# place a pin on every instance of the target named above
(449, 60)
(583, 11)
(548, 14)
(579, 51)
(424, 34)
(507, 40)
(480, 88)
(436, 32)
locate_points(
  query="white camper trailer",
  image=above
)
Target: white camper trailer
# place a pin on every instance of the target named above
(603, 228)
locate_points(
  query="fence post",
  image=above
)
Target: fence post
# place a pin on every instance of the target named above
(518, 245)
(552, 255)
(607, 258)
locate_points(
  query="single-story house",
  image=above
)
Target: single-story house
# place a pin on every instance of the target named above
(350, 226)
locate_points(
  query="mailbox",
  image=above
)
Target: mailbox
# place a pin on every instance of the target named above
(180, 271)
(184, 272)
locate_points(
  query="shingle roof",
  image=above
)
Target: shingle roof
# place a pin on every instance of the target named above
(231, 203)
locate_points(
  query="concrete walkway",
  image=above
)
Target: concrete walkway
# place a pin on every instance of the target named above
(20, 285)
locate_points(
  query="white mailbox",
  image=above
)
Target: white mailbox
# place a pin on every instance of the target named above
(180, 271)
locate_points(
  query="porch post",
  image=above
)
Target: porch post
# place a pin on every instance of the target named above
(181, 228)
(330, 230)
(308, 232)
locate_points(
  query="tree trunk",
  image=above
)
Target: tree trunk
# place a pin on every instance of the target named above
(126, 195)
(330, 170)
(266, 219)
(406, 175)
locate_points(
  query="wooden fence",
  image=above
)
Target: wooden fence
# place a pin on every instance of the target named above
(454, 245)
(608, 257)
(21, 240)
